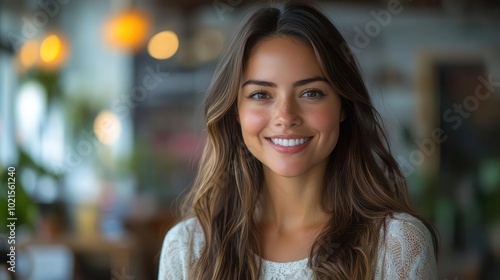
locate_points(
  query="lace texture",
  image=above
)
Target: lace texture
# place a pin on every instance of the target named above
(406, 252)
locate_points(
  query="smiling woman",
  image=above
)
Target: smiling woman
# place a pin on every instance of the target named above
(285, 100)
(296, 179)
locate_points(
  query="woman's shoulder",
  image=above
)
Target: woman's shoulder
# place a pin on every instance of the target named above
(406, 224)
(407, 249)
(182, 245)
(403, 229)
(184, 239)
(187, 226)
(187, 233)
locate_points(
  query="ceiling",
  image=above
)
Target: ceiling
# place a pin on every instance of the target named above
(190, 5)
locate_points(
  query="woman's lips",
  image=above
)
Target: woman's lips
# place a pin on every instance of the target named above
(289, 144)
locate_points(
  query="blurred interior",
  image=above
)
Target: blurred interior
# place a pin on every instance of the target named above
(100, 114)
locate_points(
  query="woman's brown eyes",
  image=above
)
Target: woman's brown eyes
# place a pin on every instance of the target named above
(259, 95)
(313, 94)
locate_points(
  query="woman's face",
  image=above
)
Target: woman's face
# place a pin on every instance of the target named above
(288, 112)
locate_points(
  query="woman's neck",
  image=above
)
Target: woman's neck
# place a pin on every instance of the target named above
(293, 203)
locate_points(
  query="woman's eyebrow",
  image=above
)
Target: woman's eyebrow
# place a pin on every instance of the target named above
(295, 84)
(309, 80)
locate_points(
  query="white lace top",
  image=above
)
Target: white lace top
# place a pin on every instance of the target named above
(406, 253)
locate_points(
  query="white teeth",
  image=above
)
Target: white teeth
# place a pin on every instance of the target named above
(289, 142)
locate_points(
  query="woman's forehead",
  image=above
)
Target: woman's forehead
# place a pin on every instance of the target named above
(281, 58)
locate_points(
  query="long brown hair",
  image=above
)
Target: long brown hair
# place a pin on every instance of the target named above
(363, 184)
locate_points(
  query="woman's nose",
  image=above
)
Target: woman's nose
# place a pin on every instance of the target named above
(286, 113)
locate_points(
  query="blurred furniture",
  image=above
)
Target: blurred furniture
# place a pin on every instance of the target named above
(150, 232)
(89, 258)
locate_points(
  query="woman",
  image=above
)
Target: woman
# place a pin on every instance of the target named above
(296, 180)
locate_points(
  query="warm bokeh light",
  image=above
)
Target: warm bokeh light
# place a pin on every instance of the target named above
(163, 45)
(28, 54)
(107, 127)
(51, 48)
(127, 30)
(53, 51)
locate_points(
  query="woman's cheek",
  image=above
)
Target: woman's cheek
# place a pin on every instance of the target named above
(253, 120)
(325, 118)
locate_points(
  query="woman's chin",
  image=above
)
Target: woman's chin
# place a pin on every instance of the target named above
(288, 171)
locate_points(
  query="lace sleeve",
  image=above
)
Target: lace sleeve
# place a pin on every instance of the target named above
(409, 251)
(174, 254)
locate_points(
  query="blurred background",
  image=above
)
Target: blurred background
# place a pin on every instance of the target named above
(101, 123)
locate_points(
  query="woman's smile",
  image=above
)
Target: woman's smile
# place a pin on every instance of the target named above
(289, 144)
